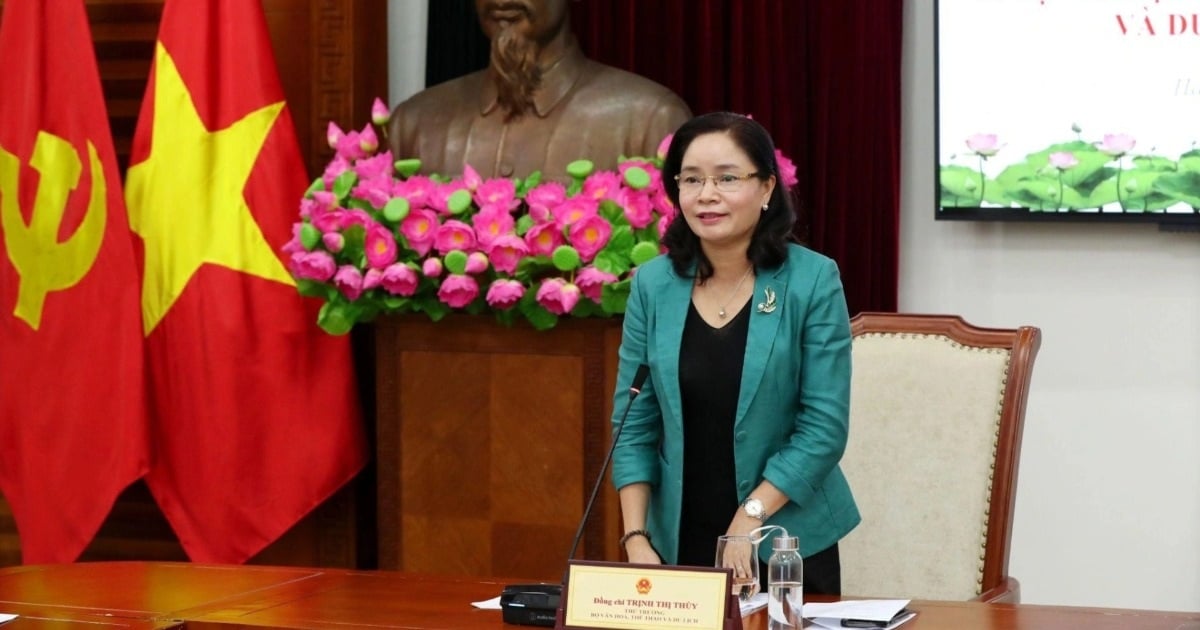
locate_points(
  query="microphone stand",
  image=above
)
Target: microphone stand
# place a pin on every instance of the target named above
(531, 604)
(638, 380)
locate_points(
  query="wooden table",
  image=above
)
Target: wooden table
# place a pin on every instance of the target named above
(162, 596)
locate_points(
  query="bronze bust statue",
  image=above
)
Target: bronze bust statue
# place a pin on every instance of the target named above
(538, 106)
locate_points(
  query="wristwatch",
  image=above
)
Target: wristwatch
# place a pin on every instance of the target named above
(754, 509)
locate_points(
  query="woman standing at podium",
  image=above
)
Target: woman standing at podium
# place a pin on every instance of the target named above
(746, 412)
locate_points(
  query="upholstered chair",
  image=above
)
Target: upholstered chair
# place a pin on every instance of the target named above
(937, 409)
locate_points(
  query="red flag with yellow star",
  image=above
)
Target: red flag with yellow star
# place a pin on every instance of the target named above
(72, 390)
(254, 415)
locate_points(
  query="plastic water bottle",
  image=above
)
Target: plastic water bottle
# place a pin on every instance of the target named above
(785, 584)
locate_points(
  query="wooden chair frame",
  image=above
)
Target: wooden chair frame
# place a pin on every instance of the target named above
(1023, 344)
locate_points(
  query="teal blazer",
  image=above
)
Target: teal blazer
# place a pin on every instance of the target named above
(793, 410)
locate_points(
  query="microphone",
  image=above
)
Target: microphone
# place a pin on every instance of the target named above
(538, 604)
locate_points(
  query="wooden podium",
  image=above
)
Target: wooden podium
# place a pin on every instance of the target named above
(488, 441)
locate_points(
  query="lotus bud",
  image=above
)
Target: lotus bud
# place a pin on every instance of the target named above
(380, 113)
(367, 140)
(333, 135)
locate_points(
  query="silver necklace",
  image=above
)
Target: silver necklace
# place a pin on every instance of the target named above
(721, 313)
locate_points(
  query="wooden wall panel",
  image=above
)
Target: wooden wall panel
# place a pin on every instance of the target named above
(489, 441)
(332, 62)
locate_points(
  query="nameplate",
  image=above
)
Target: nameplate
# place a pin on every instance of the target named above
(622, 596)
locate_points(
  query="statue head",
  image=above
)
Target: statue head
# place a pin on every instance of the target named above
(519, 31)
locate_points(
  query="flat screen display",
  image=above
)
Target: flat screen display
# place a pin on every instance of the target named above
(1085, 110)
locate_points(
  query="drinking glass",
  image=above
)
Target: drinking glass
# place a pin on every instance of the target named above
(738, 553)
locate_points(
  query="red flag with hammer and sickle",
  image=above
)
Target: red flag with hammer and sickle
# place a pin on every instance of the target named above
(72, 390)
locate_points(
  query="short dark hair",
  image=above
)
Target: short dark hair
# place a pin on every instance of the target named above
(768, 244)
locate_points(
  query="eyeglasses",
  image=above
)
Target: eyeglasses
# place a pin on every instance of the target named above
(692, 183)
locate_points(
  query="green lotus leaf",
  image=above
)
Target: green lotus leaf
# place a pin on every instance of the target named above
(396, 209)
(637, 178)
(459, 201)
(565, 258)
(1184, 186)
(643, 253)
(407, 167)
(309, 236)
(456, 261)
(334, 318)
(580, 169)
(344, 183)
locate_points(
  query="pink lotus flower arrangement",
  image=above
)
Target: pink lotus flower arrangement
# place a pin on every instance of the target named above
(376, 237)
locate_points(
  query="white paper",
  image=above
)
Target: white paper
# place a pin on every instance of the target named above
(870, 609)
(754, 604)
(836, 624)
(6, 618)
(490, 604)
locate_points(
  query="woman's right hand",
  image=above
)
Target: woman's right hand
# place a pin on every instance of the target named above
(640, 551)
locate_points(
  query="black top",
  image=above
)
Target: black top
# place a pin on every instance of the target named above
(710, 377)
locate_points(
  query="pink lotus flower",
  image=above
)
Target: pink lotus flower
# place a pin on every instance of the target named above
(471, 178)
(477, 263)
(639, 210)
(543, 197)
(491, 223)
(295, 245)
(458, 291)
(497, 193)
(350, 147)
(505, 293)
(321, 201)
(787, 169)
(334, 169)
(371, 279)
(984, 144)
(601, 185)
(1116, 144)
(333, 241)
(348, 281)
(418, 190)
(441, 194)
(380, 246)
(376, 191)
(318, 266)
(589, 235)
(375, 167)
(380, 112)
(558, 296)
(506, 252)
(1063, 160)
(432, 267)
(591, 281)
(543, 238)
(574, 209)
(330, 221)
(420, 230)
(452, 235)
(355, 216)
(400, 279)
(664, 146)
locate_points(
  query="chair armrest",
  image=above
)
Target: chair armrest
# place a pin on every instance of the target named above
(1007, 592)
